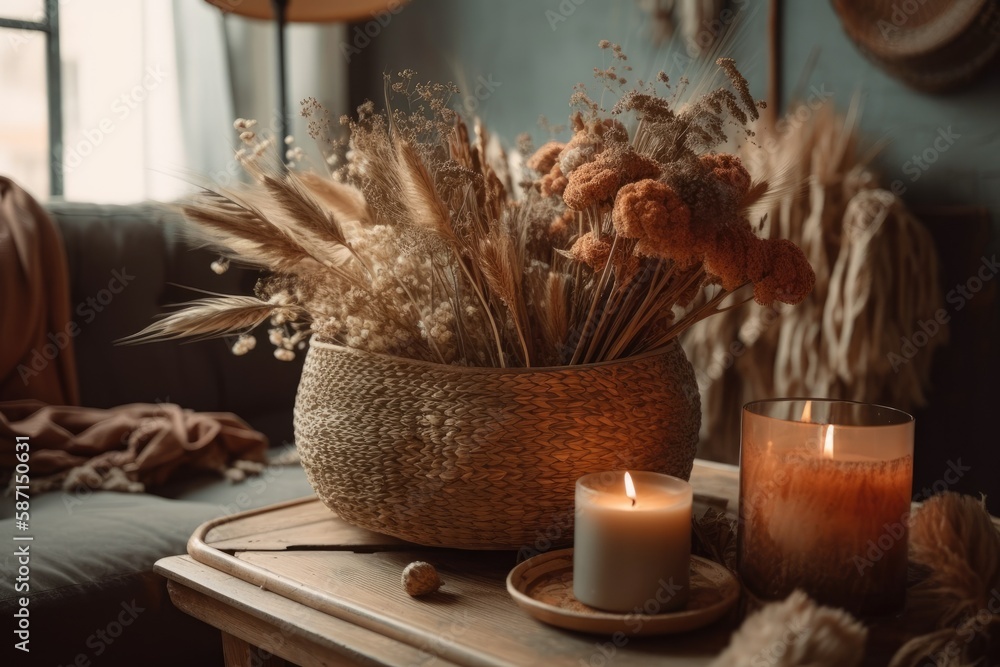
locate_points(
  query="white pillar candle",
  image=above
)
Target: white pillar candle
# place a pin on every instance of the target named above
(632, 547)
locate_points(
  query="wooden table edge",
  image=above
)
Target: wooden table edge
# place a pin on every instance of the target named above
(257, 615)
(370, 620)
(202, 531)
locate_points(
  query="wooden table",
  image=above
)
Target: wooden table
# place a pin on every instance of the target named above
(297, 582)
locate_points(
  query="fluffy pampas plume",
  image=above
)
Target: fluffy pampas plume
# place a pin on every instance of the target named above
(956, 604)
(796, 632)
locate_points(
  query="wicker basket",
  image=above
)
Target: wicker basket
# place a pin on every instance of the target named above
(484, 458)
(932, 46)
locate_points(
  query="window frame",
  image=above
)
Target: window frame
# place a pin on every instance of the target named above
(49, 25)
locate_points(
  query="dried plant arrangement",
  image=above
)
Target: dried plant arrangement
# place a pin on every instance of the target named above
(423, 242)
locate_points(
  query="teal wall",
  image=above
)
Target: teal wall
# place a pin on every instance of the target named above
(537, 59)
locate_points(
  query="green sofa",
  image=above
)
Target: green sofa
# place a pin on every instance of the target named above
(94, 599)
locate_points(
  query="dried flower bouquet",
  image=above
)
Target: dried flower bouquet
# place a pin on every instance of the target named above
(427, 243)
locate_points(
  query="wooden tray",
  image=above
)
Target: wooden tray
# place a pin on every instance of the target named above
(306, 554)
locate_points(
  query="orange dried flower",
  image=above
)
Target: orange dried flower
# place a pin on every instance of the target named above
(729, 170)
(727, 258)
(558, 162)
(595, 251)
(592, 251)
(591, 183)
(654, 213)
(589, 140)
(545, 157)
(639, 205)
(553, 183)
(595, 183)
(787, 278)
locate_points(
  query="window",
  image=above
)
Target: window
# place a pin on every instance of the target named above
(90, 93)
(121, 104)
(30, 117)
(94, 112)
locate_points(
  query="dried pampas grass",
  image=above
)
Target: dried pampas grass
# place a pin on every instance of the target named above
(955, 546)
(206, 318)
(796, 633)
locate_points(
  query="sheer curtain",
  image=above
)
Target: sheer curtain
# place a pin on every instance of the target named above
(227, 68)
(151, 89)
(122, 134)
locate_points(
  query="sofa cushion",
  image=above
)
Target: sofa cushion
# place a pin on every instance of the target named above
(128, 264)
(88, 536)
(91, 561)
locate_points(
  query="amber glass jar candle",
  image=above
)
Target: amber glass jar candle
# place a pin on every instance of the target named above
(825, 492)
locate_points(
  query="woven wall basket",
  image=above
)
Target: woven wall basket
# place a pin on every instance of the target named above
(484, 458)
(932, 46)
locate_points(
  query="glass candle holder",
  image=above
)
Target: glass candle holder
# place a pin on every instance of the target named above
(632, 542)
(824, 502)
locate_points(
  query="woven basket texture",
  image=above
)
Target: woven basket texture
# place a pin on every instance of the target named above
(484, 458)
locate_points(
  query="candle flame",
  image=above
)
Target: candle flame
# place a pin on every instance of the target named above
(629, 488)
(828, 442)
(807, 412)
